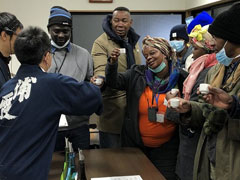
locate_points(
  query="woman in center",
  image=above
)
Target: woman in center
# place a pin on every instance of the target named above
(145, 125)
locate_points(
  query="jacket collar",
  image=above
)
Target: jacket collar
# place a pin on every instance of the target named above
(140, 69)
(26, 69)
(6, 60)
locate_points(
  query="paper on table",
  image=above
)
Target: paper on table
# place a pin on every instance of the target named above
(136, 177)
(63, 121)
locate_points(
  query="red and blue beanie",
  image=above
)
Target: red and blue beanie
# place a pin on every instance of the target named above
(59, 15)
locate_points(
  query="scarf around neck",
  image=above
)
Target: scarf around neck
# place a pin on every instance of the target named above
(231, 81)
(201, 63)
(157, 86)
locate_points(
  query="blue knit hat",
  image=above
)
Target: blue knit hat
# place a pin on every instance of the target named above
(203, 19)
(59, 15)
(179, 31)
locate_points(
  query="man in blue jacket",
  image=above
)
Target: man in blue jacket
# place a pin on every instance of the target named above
(30, 107)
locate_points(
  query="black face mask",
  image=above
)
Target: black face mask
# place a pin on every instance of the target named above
(60, 34)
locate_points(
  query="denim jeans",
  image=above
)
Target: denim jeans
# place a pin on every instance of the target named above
(109, 140)
(79, 137)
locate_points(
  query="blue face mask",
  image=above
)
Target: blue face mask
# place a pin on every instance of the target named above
(222, 57)
(159, 68)
(188, 20)
(177, 45)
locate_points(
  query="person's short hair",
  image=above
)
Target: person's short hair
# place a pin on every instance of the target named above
(121, 9)
(31, 45)
(9, 23)
(60, 16)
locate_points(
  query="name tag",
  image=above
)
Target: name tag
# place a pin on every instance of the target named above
(160, 117)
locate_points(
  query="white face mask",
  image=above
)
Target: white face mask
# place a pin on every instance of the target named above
(59, 47)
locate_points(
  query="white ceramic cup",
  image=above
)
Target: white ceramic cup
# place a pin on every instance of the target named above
(174, 102)
(174, 90)
(122, 50)
(203, 88)
(98, 81)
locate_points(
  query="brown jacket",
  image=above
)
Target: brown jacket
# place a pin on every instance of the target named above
(114, 101)
(227, 143)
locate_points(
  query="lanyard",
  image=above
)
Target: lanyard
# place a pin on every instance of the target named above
(156, 97)
(64, 58)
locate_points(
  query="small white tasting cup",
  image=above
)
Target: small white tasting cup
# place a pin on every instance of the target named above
(98, 81)
(174, 102)
(122, 50)
(203, 88)
(174, 90)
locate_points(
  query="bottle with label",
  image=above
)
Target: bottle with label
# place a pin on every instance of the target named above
(81, 168)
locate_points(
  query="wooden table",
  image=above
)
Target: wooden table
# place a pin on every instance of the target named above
(111, 162)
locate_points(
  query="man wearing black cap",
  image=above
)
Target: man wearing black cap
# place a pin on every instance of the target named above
(179, 41)
(74, 61)
(218, 152)
(10, 26)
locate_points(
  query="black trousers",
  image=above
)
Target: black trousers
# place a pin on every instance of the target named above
(164, 157)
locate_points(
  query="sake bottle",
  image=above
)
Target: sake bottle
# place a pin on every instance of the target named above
(71, 171)
(81, 168)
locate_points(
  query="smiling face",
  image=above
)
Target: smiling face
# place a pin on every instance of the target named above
(60, 34)
(153, 56)
(121, 23)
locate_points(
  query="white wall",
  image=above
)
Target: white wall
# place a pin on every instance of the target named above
(36, 12)
(191, 4)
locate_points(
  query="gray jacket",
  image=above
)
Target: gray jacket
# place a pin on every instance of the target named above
(76, 62)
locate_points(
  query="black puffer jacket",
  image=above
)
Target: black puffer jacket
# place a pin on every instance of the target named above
(134, 82)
